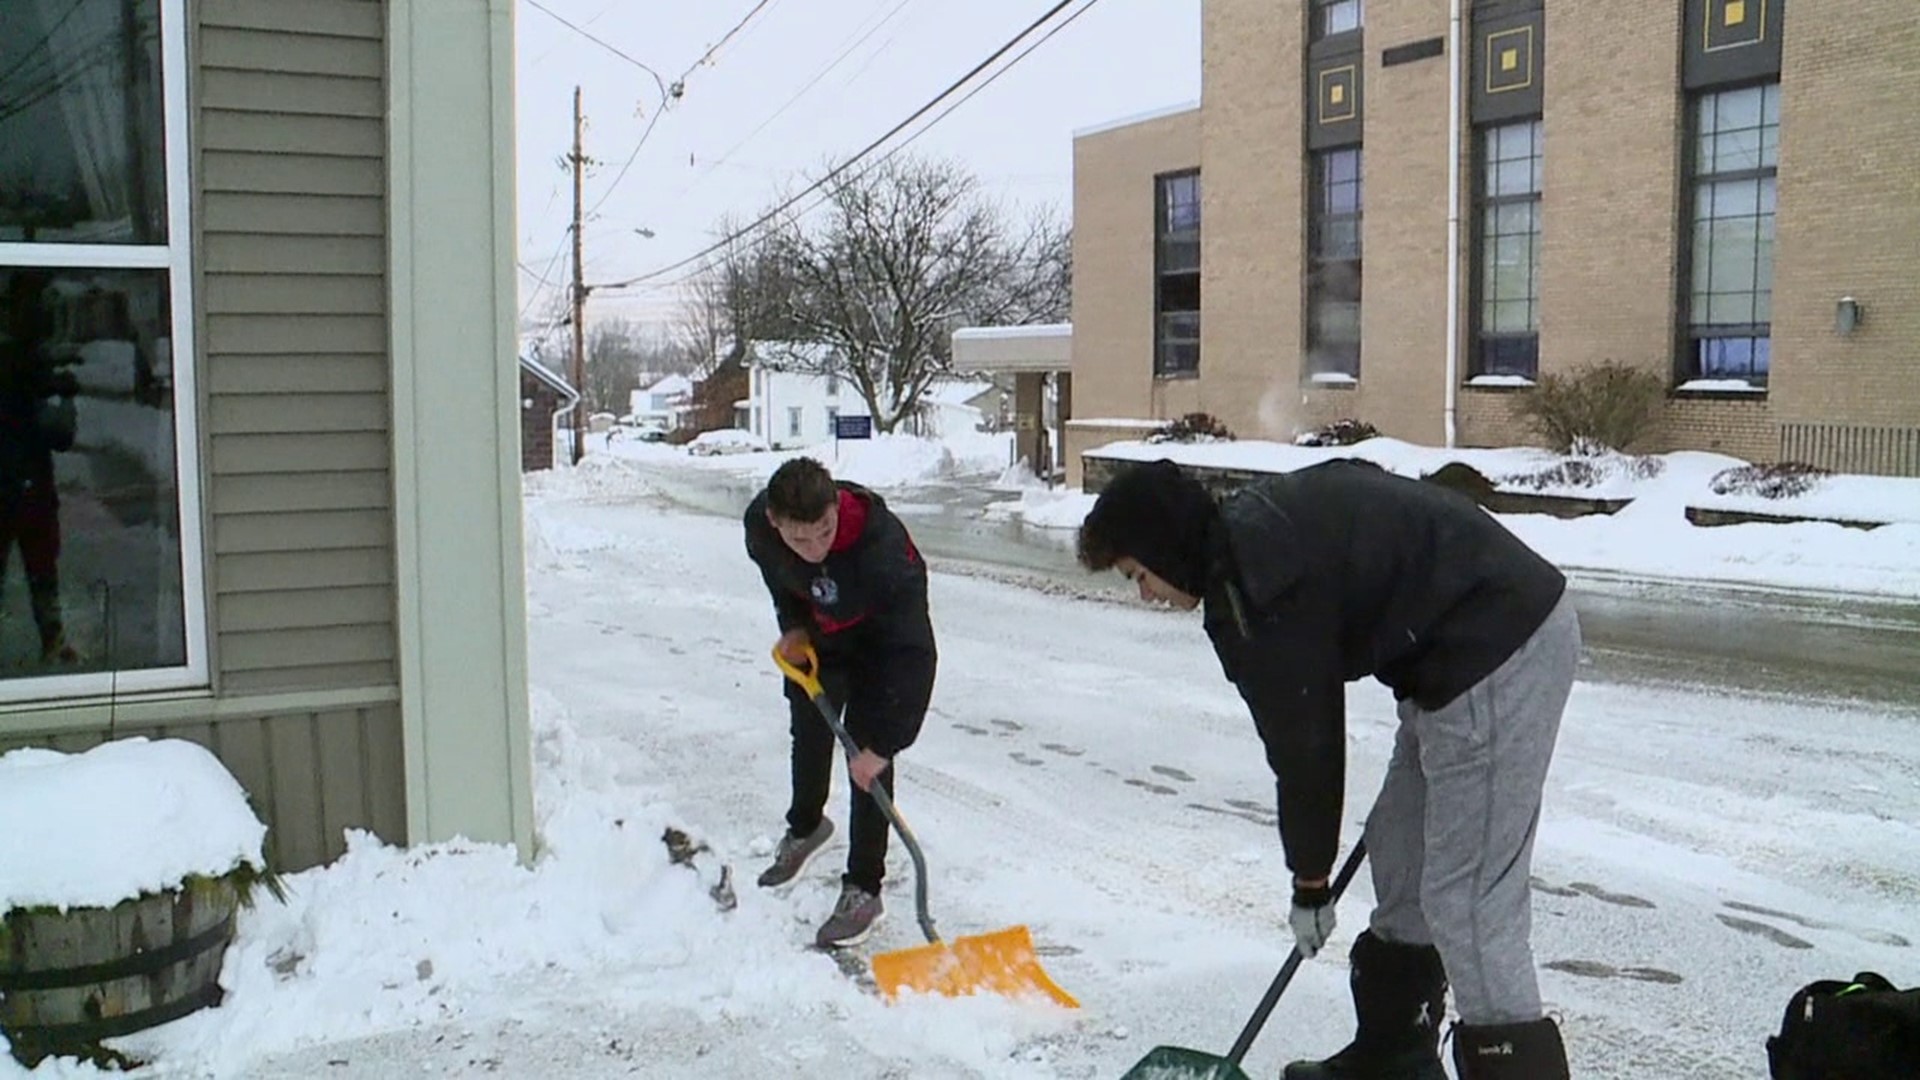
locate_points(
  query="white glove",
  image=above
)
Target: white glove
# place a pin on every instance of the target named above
(1312, 918)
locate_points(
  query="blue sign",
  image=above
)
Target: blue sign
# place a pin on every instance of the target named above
(853, 427)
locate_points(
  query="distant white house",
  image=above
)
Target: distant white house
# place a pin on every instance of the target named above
(661, 404)
(788, 408)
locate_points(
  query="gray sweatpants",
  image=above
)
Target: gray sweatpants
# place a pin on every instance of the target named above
(1451, 836)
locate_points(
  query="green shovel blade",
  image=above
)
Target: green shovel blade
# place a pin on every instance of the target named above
(1179, 1063)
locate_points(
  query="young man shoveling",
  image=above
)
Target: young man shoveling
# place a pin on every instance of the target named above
(1327, 575)
(845, 578)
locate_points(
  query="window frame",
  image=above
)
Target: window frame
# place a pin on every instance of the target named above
(1164, 317)
(1485, 205)
(1318, 12)
(1318, 218)
(1687, 368)
(175, 259)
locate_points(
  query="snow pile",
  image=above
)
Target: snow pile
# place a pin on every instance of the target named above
(1835, 497)
(1061, 508)
(392, 940)
(1649, 538)
(128, 817)
(885, 461)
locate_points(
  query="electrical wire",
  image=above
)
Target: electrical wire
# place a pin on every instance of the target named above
(828, 178)
(800, 93)
(728, 36)
(590, 36)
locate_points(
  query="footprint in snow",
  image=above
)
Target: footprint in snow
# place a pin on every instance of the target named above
(1063, 750)
(972, 730)
(1771, 933)
(1876, 937)
(1266, 819)
(1025, 759)
(1007, 725)
(1170, 771)
(1157, 789)
(1585, 888)
(1594, 969)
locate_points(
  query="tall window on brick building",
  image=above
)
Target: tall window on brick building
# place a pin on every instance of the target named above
(1332, 17)
(1176, 303)
(1735, 153)
(1507, 325)
(1333, 265)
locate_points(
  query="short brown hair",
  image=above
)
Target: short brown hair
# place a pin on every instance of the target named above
(801, 490)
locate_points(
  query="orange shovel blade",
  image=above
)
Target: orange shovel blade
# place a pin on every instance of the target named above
(1002, 962)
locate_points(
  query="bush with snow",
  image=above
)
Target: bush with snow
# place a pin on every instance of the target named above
(1779, 480)
(1610, 404)
(1191, 428)
(1345, 432)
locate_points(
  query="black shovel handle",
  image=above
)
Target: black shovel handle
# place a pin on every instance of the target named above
(1265, 1009)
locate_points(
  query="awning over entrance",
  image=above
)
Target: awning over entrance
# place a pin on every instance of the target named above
(1038, 349)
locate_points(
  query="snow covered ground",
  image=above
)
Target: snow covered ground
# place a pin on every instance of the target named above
(1086, 771)
(1650, 538)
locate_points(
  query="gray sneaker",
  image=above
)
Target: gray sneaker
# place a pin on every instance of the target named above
(852, 920)
(793, 853)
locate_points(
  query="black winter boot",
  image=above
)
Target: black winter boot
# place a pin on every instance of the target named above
(1399, 996)
(1529, 1051)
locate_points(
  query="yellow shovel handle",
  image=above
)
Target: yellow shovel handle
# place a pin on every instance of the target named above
(808, 677)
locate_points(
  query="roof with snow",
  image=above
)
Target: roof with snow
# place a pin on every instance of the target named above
(672, 384)
(547, 375)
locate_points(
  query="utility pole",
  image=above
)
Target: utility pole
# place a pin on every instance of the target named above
(579, 293)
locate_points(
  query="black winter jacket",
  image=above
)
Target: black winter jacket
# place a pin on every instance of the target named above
(865, 608)
(1335, 572)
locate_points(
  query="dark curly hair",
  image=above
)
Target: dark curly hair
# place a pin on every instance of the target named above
(801, 490)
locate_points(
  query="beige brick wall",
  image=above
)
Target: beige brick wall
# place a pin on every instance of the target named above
(1739, 428)
(1609, 232)
(1252, 195)
(1403, 327)
(1113, 263)
(1849, 223)
(1849, 215)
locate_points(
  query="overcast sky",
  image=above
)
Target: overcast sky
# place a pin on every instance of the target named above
(705, 158)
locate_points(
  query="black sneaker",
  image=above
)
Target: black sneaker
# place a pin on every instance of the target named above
(793, 853)
(852, 920)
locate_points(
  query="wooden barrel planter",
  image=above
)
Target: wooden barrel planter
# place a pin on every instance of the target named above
(69, 979)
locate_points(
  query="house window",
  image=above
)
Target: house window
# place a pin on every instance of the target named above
(99, 541)
(1176, 313)
(1333, 266)
(1729, 301)
(1507, 331)
(833, 386)
(793, 422)
(1332, 17)
(833, 420)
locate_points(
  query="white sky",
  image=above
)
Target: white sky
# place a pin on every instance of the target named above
(704, 160)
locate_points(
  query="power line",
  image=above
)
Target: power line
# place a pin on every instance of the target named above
(800, 93)
(1056, 9)
(728, 36)
(590, 36)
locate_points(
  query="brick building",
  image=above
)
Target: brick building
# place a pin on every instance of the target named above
(1724, 191)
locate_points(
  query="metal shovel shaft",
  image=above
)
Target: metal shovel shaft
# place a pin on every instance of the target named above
(809, 680)
(880, 796)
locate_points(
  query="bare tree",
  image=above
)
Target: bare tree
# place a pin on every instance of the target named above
(900, 256)
(735, 299)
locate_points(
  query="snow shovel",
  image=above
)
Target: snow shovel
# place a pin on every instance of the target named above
(1002, 962)
(1180, 1063)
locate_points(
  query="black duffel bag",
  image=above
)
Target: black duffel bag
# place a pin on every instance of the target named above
(1835, 1029)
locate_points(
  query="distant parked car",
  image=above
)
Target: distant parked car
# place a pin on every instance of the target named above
(726, 441)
